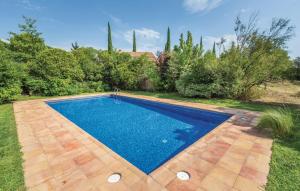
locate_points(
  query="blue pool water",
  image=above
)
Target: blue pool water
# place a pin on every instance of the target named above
(145, 133)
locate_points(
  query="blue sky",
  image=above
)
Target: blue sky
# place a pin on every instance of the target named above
(65, 21)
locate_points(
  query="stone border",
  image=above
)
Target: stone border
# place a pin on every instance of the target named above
(58, 155)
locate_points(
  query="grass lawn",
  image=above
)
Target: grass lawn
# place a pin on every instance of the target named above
(282, 92)
(285, 163)
(11, 173)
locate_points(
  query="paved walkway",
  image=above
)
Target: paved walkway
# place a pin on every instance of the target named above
(58, 155)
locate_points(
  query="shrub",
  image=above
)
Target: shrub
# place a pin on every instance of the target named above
(35, 86)
(256, 57)
(279, 120)
(56, 63)
(11, 74)
(88, 60)
(54, 72)
(90, 87)
(9, 94)
(56, 86)
(198, 78)
(53, 87)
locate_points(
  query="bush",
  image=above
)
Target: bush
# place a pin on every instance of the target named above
(56, 86)
(9, 94)
(90, 87)
(279, 120)
(54, 72)
(256, 57)
(152, 76)
(35, 86)
(56, 63)
(11, 74)
(87, 58)
(198, 78)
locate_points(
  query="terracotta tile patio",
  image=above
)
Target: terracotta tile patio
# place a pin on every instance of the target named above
(58, 155)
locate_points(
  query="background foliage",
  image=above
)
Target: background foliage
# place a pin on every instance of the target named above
(29, 66)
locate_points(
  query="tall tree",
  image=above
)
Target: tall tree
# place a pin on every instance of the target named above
(29, 26)
(27, 43)
(214, 49)
(168, 43)
(201, 43)
(109, 39)
(181, 41)
(189, 40)
(134, 43)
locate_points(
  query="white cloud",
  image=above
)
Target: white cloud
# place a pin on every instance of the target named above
(54, 22)
(142, 33)
(27, 4)
(116, 19)
(118, 22)
(195, 6)
(243, 10)
(146, 39)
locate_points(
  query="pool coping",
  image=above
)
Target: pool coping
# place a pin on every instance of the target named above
(243, 153)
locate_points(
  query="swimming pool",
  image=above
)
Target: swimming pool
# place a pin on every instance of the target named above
(145, 133)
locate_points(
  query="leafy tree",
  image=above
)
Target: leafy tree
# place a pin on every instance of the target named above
(134, 43)
(56, 63)
(54, 72)
(109, 39)
(87, 58)
(152, 80)
(260, 55)
(11, 74)
(163, 69)
(28, 43)
(198, 77)
(29, 26)
(180, 58)
(168, 43)
(138, 74)
(110, 63)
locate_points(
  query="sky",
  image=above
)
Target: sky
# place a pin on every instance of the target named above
(85, 21)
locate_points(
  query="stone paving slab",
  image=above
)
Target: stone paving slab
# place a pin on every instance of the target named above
(58, 155)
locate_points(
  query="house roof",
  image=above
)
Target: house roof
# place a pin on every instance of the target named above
(150, 55)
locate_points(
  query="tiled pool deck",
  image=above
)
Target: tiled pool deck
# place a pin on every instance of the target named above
(58, 155)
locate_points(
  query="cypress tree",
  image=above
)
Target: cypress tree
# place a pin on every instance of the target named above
(109, 39)
(168, 43)
(181, 41)
(189, 40)
(214, 48)
(134, 43)
(201, 43)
